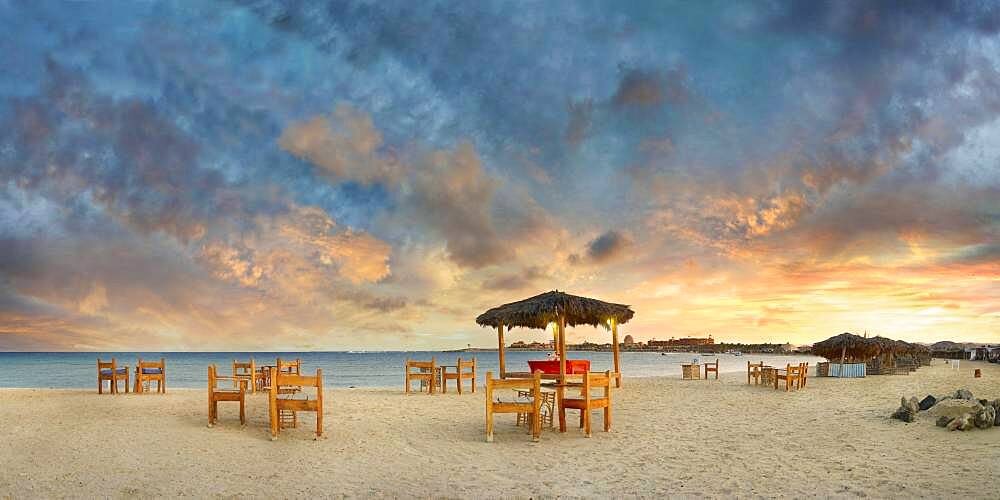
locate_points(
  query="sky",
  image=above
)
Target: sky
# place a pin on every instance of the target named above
(285, 175)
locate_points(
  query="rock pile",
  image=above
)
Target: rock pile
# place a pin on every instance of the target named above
(956, 412)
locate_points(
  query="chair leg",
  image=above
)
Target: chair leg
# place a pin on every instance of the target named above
(536, 425)
(243, 415)
(562, 419)
(607, 417)
(586, 422)
(489, 422)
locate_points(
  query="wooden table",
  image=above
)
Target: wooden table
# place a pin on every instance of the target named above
(548, 403)
(768, 375)
(265, 376)
(440, 371)
(691, 371)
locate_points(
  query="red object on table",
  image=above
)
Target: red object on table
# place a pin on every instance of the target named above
(551, 366)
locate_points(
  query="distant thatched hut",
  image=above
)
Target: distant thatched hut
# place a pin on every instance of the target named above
(847, 347)
(881, 355)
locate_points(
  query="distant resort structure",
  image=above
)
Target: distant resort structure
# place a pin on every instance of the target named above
(685, 344)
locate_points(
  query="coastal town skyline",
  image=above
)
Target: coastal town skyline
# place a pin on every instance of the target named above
(272, 175)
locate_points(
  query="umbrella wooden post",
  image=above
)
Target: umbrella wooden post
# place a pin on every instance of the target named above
(561, 388)
(843, 354)
(614, 350)
(503, 370)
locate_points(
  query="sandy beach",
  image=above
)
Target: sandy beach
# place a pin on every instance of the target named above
(670, 437)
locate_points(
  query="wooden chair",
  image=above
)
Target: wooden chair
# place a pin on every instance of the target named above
(754, 372)
(263, 378)
(532, 407)
(287, 418)
(712, 368)
(790, 376)
(803, 375)
(295, 402)
(586, 403)
(459, 375)
(425, 372)
(150, 371)
(112, 373)
(246, 372)
(215, 394)
(289, 367)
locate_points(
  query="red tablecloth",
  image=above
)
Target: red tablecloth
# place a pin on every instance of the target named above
(552, 366)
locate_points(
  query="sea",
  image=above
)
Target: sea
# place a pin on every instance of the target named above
(378, 369)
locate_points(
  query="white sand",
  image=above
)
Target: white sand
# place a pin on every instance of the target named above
(670, 437)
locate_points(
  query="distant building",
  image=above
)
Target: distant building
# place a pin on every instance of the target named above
(687, 341)
(629, 340)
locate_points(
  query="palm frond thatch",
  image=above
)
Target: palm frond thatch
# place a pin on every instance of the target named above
(860, 349)
(542, 309)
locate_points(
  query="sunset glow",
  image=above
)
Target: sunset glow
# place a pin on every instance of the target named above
(268, 176)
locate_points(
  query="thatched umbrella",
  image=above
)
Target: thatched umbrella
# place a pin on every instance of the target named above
(562, 309)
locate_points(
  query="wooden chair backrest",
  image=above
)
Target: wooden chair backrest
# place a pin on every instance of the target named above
(161, 364)
(466, 364)
(289, 367)
(597, 380)
(420, 365)
(533, 383)
(712, 366)
(299, 380)
(212, 376)
(107, 365)
(244, 369)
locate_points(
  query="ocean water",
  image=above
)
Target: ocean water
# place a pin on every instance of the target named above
(340, 369)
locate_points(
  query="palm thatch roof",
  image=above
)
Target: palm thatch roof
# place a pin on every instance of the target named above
(540, 310)
(860, 349)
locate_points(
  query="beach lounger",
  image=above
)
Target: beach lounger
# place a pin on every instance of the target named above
(215, 394)
(424, 371)
(246, 372)
(464, 370)
(295, 402)
(530, 407)
(151, 371)
(112, 373)
(587, 402)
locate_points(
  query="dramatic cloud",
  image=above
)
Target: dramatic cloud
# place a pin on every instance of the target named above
(607, 246)
(274, 174)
